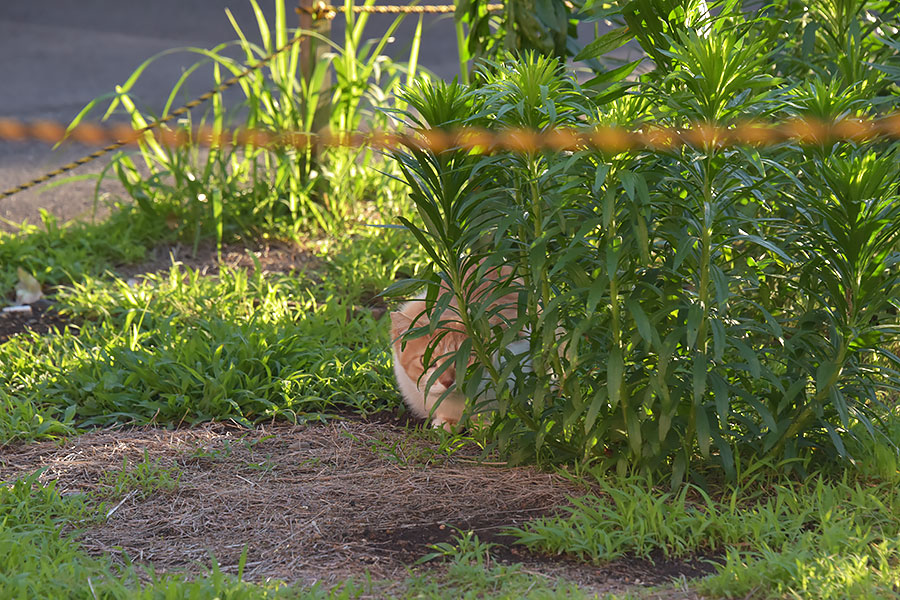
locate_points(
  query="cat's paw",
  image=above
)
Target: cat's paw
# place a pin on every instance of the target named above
(447, 424)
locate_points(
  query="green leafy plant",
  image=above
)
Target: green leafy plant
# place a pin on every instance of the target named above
(543, 26)
(548, 27)
(230, 190)
(823, 537)
(848, 41)
(59, 253)
(698, 304)
(465, 548)
(181, 347)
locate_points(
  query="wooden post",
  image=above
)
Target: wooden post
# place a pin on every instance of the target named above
(306, 20)
(312, 19)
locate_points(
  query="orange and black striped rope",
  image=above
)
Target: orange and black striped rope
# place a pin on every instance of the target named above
(321, 10)
(605, 138)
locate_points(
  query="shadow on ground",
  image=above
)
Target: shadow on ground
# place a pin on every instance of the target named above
(320, 502)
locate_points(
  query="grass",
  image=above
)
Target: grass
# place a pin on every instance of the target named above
(424, 447)
(466, 580)
(35, 561)
(180, 347)
(820, 538)
(239, 191)
(58, 254)
(145, 478)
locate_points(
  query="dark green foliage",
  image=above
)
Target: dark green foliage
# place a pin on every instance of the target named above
(849, 41)
(695, 304)
(547, 27)
(544, 26)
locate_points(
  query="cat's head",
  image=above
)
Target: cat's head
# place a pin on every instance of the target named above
(411, 352)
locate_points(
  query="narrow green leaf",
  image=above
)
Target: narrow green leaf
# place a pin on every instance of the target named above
(695, 315)
(597, 403)
(613, 75)
(835, 439)
(703, 437)
(605, 43)
(699, 380)
(679, 466)
(664, 421)
(633, 427)
(640, 319)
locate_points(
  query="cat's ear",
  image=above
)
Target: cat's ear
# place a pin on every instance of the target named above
(400, 323)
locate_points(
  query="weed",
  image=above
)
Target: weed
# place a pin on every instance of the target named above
(35, 560)
(471, 581)
(423, 446)
(821, 538)
(465, 548)
(266, 466)
(145, 477)
(808, 572)
(402, 451)
(182, 348)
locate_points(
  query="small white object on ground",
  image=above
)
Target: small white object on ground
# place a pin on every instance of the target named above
(22, 308)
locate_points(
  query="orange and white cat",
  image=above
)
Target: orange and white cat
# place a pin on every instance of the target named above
(442, 403)
(435, 403)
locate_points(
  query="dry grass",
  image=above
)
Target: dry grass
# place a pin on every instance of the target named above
(311, 503)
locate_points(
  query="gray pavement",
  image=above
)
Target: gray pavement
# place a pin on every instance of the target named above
(58, 55)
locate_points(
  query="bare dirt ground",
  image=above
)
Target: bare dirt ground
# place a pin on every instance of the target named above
(272, 257)
(317, 502)
(41, 319)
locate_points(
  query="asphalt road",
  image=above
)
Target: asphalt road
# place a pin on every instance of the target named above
(58, 55)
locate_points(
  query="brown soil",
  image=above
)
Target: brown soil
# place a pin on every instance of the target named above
(315, 503)
(42, 318)
(272, 257)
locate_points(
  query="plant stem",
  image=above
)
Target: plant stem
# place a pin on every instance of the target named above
(808, 409)
(463, 53)
(705, 255)
(537, 214)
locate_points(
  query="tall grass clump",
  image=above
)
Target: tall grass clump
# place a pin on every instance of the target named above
(697, 304)
(230, 191)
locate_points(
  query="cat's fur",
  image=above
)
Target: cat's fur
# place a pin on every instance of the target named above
(444, 408)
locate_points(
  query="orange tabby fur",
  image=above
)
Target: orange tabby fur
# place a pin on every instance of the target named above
(444, 408)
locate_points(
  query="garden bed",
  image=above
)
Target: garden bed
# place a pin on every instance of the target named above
(318, 502)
